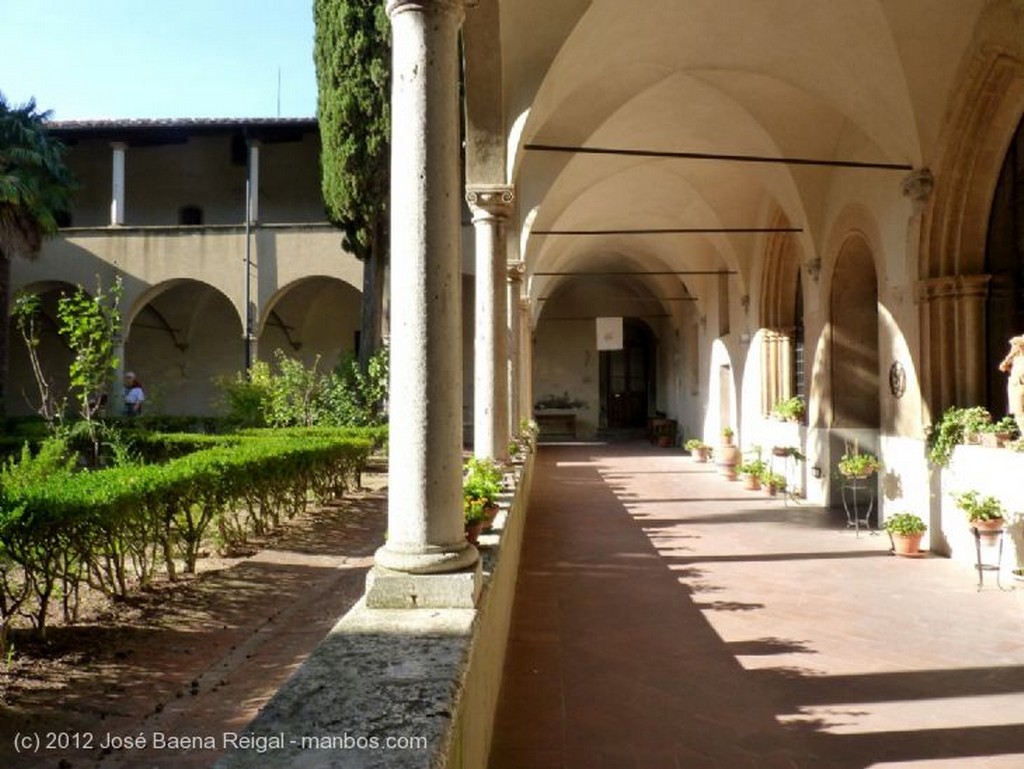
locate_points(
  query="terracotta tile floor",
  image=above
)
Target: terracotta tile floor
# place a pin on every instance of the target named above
(668, 618)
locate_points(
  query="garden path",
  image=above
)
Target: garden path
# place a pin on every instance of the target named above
(195, 659)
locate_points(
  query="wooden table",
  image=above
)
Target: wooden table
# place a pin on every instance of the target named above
(556, 423)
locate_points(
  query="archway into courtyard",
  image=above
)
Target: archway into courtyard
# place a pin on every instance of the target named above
(316, 318)
(180, 338)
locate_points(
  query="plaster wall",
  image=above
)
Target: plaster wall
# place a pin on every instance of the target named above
(989, 472)
(566, 361)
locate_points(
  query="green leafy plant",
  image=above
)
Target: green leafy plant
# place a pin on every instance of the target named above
(474, 509)
(756, 467)
(905, 524)
(695, 444)
(790, 409)
(727, 433)
(482, 480)
(859, 465)
(775, 480)
(788, 452)
(289, 394)
(1006, 425)
(978, 507)
(952, 429)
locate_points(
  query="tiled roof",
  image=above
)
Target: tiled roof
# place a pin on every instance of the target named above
(177, 123)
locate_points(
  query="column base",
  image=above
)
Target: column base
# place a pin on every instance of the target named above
(390, 589)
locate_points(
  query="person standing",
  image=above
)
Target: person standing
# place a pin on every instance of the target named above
(134, 396)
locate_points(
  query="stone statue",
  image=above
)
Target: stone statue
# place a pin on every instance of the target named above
(1013, 364)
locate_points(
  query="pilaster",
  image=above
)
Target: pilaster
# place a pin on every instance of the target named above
(952, 311)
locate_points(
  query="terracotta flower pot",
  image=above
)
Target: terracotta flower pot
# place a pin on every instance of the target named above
(907, 544)
(728, 459)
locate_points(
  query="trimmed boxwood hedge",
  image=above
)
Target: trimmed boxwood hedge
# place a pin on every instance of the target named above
(114, 528)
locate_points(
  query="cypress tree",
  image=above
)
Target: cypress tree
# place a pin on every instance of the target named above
(352, 54)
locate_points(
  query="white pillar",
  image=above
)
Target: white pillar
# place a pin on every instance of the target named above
(515, 344)
(491, 206)
(117, 184)
(254, 181)
(425, 520)
(526, 358)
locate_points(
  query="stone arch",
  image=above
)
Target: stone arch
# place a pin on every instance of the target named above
(781, 318)
(181, 336)
(314, 317)
(853, 323)
(953, 285)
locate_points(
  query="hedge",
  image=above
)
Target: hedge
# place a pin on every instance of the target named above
(113, 528)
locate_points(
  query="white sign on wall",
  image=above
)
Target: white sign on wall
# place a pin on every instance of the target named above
(609, 333)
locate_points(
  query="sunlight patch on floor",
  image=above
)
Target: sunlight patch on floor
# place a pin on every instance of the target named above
(912, 715)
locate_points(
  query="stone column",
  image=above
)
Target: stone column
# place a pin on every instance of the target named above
(515, 345)
(425, 521)
(491, 206)
(117, 184)
(525, 358)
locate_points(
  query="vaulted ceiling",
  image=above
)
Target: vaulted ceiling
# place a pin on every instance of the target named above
(696, 114)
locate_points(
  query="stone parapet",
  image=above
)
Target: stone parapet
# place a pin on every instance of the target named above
(399, 688)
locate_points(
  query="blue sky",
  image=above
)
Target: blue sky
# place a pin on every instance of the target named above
(86, 59)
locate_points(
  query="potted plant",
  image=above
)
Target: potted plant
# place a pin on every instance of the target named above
(905, 533)
(473, 509)
(790, 409)
(773, 482)
(698, 449)
(753, 469)
(728, 455)
(997, 434)
(984, 513)
(751, 472)
(957, 425)
(481, 483)
(858, 464)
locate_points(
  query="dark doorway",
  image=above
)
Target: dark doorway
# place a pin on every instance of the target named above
(1004, 261)
(627, 377)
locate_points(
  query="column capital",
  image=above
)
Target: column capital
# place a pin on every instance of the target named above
(516, 271)
(918, 185)
(490, 199)
(394, 7)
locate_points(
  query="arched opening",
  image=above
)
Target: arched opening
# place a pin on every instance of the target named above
(782, 317)
(627, 378)
(855, 402)
(854, 323)
(317, 317)
(1004, 262)
(179, 342)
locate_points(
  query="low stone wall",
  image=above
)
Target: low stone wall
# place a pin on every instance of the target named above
(400, 688)
(996, 472)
